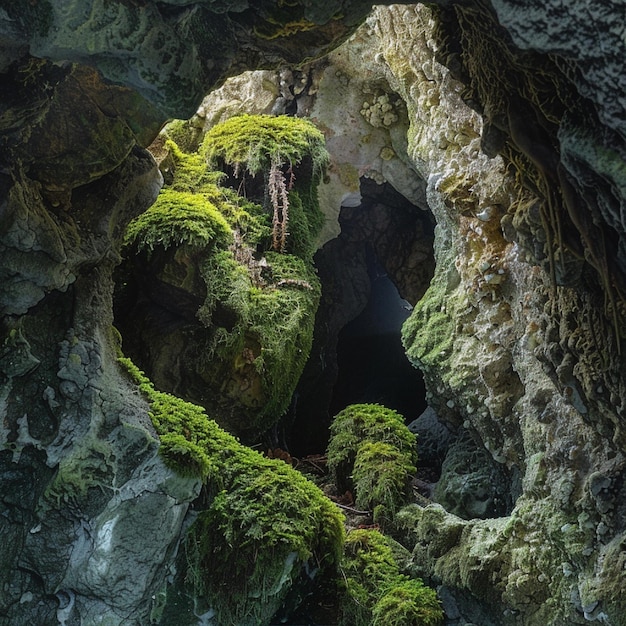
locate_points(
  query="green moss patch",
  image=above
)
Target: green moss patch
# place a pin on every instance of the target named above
(178, 218)
(265, 525)
(372, 452)
(255, 142)
(377, 593)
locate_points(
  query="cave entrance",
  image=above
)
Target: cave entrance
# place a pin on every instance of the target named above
(372, 274)
(372, 366)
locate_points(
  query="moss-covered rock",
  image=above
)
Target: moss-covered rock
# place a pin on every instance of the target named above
(264, 528)
(377, 593)
(227, 270)
(373, 453)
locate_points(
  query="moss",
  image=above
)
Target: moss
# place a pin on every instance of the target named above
(273, 323)
(183, 134)
(360, 424)
(376, 592)
(277, 521)
(259, 307)
(382, 478)
(89, 466)
(410, 602)
(177, 218)
(264, 525)
(428, 334)
(254, 142)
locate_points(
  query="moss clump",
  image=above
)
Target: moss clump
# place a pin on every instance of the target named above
(250, 546)
(262, 329)
(255, 142)
(376, 592)
(290, 154)
(256, 321)
(265, 524)
(410, 602)
(381, 477)
(178, 218)
(372, 452)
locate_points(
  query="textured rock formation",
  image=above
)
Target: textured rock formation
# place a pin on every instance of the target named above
(91, 517)
(511, 133)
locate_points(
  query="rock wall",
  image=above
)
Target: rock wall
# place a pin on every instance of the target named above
(517, 347)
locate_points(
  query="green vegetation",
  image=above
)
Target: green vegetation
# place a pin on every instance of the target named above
(376, 592)
(264, 524)
(177, 218)
(428, 334)
(290, 154)
(273, 329)
(381, 476)
(372, 452)
(255, 258)
(255, 142)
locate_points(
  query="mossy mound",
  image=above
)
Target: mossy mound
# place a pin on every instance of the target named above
(261, 332)
(265, 526)
(255, 142)
(279, 161)
(177, 218)
(373, 453)
(377, 593)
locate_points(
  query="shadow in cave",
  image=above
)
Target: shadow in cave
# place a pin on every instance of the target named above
(371, 273)
(371, 363)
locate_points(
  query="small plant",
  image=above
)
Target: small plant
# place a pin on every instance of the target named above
(372, 453)
(376, 592)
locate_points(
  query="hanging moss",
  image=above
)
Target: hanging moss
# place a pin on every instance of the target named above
(376, 592)
(265, 524)
(372, 452)
(255, 142)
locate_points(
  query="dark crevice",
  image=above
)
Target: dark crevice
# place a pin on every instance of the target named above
(380, 264)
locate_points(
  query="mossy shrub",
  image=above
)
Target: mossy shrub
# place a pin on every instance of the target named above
(264, 526)
(376, 592)
(360, 424)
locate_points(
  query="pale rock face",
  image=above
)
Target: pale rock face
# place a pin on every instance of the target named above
(485, 339)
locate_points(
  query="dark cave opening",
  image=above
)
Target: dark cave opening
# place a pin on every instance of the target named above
(372, 366)
(372, 274)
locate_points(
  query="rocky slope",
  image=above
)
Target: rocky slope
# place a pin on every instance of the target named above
(506, 122)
